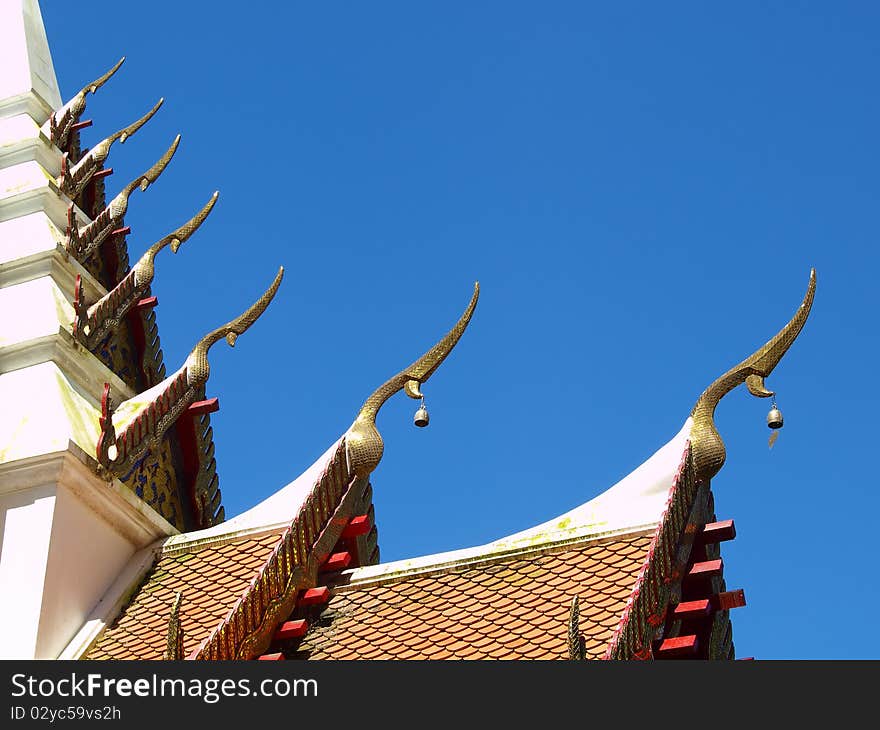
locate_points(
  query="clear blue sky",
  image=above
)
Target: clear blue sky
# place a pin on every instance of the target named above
(641, 190)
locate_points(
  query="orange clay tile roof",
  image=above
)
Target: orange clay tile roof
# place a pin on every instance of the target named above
(211, 579)
(512, 607)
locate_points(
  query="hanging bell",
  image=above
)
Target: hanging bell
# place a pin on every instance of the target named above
(421, 418)
(774, 417)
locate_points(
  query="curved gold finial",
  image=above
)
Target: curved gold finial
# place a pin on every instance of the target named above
(132, 128)
(92, 323)
(150, 176)
(144, 268)
(364, 443)
(61, 122)
(101, 80)
(706, 444)
(197, 368)
(74, 180)
(85, 241)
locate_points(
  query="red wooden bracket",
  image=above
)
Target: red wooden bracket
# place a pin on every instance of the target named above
(102, 173)
(337, 561)
(729, 599)
(80, 125)
(201, 407)
(678, 646)
(706, 569)
(291, 630)
(693, 609)
(147, 303)
(358, 526)
(314, 596)
(124, 231)
(718, 531)
(278, 656)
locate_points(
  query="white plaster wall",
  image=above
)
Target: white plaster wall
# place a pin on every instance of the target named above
(15, 129)
(25, 529)
(26, 235)
(24, 53)
(42, 411)
(20, 178)
(85, 556)
(33, 309)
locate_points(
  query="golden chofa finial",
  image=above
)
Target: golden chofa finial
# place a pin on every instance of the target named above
(73, 180)
(83, 242)
(707, 447)
(92, 323)
(127, 432)
(197, 368)
(363, 441)
(61, 122)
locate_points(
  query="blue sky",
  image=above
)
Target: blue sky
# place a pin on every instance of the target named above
(641, 190)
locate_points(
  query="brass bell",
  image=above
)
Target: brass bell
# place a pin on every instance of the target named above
(421, 418)
(774, 417)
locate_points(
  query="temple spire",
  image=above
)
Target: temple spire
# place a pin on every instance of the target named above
(28, 73)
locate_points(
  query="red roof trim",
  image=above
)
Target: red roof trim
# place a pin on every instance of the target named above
(649, 594)
(304, 546)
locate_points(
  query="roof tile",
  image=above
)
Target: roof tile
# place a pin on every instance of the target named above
(211, 579)
(515, 607)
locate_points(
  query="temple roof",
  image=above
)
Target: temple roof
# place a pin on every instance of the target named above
(210, 579)
(510, 596)
(504, 606)
(302, 558)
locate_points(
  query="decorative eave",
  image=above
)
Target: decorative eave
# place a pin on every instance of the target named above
(143, 421)
(647, 606)
(74, 178)
(308, 545)
(649, 597)
(95, 322)
(84, 242)
(293, 565)
(64, 121)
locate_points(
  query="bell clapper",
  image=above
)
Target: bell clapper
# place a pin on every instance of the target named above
(421, 418)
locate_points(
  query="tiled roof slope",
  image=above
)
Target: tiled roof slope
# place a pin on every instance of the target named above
(510, 607)
(211, 579)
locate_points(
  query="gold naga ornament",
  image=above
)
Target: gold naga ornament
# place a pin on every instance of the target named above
(72, 180)
(707, 447)
(94, 322)
(62, 122)
(152, 419)
(364, 445)
(83, 242)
